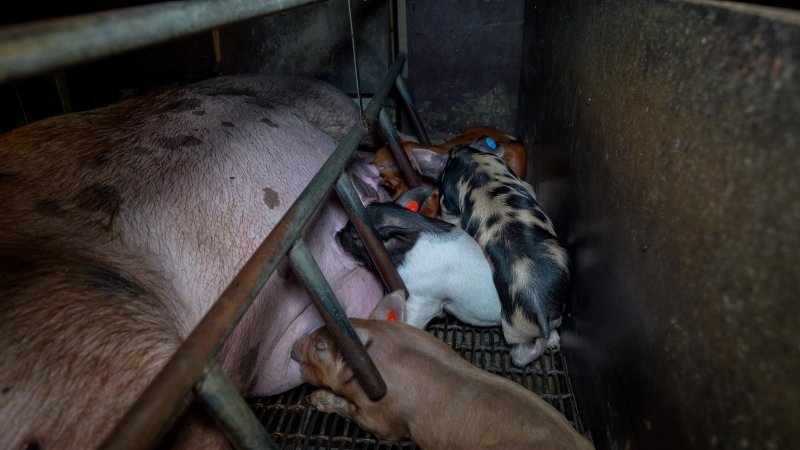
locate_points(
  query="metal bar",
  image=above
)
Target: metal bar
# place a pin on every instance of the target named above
(38, 47)
(231, 412)
(338, 325)
(355, 211)
(147, 420)
(398, 152)
(63, 91)
(411, 109)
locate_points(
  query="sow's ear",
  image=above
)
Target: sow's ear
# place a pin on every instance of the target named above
(392, 307)
(488, 145)
(428, 162)
(414, 199)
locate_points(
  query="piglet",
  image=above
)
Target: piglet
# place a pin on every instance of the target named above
(482, 194)
(434, 397)
(442, 267)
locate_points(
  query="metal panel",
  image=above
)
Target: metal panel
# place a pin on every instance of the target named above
(464, 63)
(39, 47)
(677, 126)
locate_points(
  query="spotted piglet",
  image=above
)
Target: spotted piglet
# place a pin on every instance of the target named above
(530, 268)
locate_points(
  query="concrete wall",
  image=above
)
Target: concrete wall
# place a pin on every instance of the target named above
(464, 63)
(665, 137)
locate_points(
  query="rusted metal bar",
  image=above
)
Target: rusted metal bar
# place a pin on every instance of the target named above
(146, 422)
(38, 47)
(355, 211)
(338, 325)
(411, 109)
(399, 154)
(231, 413)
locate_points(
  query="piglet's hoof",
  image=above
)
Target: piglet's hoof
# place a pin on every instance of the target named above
(327, 401)
(523, 354)
(554, 342)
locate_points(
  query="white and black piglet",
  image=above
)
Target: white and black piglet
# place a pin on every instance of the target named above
(482, 194)
(442, 266)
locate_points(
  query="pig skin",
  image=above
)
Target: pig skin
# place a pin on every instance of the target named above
(122, 225)
(434, 397)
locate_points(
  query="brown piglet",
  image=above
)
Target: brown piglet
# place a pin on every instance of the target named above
(434, 396)
(393, 181)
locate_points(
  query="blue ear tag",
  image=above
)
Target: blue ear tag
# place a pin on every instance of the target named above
(491, 143)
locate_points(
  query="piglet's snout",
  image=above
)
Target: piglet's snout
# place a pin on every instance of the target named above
(297, 349)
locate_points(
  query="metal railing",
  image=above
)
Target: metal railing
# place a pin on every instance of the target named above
(193, 374)
(193, 368)
(38, 47)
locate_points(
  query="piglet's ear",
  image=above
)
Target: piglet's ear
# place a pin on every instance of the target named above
(414, 199)
(364, 336)
(428, 162)
(392, 307)
(488, 145)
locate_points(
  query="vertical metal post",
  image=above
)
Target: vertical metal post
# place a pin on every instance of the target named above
(63, 91)
(408, 102)
(231, 413)
(355, 211)
(334, 316)
(398, 153)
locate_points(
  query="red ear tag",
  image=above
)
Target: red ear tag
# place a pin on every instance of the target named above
(391, 317)
(412, 206)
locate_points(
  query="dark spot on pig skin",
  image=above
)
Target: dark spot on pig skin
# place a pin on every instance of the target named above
(247, 365)
(32, 445)
(99, 159)
(110, 281)
(183, 105)
(264, 103)
(50, 208)
(99, 198)
(6, 390)
(11, 266)
(271, 198)
(268, 122)
(5, 176)
(539, 215)
(491, 220)
(499, 190)
(173, 143)
(228, 124)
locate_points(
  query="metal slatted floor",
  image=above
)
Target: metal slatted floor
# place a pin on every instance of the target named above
(294, 424)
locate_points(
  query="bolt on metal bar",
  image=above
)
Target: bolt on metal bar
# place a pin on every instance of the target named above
(411, 109)
(147, 420)
(231, 413)
(335, 319)
(398, 152)
(38, 47)
(355, 211)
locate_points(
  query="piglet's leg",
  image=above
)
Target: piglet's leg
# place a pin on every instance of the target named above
(555, 340)
(524, 353)
(327, 401)
(420, 310)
